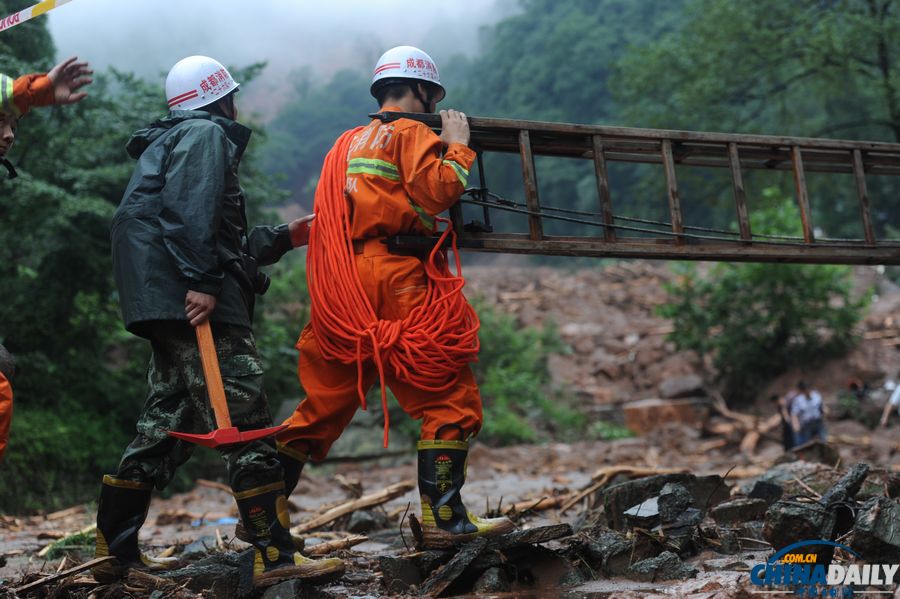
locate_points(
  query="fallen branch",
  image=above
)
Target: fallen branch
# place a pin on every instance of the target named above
(65, 573)
(66, 513)
(349, 507)
(336, 545)
(202, 482)
(532, 505)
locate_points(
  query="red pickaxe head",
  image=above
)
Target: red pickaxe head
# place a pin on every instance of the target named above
(228, 436)
(225, 433)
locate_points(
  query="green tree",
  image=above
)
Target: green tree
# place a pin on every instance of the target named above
(759, 320)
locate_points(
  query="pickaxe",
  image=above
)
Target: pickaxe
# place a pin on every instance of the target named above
(225, 433)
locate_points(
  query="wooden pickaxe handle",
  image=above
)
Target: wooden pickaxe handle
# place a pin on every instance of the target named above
(213, 376)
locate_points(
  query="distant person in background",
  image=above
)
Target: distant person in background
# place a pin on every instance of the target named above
(7, 370)
(783, 404)
(807, 415)
(892, 403)
(18, 96)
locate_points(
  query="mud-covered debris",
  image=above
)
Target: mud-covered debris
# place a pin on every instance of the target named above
(876, 531)
(364, 521)
(296, 589)
(398, 573)
(788, 522)
(223, 575)
(201, 546)
(738, 510)
(665, 566)
(705, 490)
(493, 580)
(673, 500)
(767, 491)
(812, 451)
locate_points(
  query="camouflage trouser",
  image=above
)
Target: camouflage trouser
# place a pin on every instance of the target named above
(177, 401)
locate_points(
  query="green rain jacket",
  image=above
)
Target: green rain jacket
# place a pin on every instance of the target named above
(182, 224)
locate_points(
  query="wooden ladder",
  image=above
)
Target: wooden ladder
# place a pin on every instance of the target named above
(735, 152)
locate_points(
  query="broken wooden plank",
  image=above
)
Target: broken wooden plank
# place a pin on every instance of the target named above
(65, 573)
(602, 175)
(802, 195)
(366, 501)
(449, 572)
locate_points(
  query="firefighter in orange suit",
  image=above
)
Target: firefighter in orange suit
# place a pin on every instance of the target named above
(399, 176)
(18, 96)
(7, 369)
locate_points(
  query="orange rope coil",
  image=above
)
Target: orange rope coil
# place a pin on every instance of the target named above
(429, 347)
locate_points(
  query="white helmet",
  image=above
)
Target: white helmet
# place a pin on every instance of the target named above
(197, 81)
(405, 63)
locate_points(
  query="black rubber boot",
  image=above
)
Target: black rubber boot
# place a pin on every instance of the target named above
(265, 515)
(120, 515)
(292, 462)
(445, 520)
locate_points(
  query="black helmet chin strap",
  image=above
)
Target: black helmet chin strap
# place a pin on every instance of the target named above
(9, 168)
(426, 102)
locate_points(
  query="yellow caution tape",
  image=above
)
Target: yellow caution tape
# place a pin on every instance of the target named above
(29, 13)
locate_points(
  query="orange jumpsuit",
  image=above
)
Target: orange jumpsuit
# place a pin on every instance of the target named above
(6, 410)
(27, 91)
(397, 181)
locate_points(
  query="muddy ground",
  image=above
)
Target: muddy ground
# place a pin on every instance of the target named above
(618, 353)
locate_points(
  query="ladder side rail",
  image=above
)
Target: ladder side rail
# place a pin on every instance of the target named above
(802, 194)
(672, 192)
(740, 195)
(606, 209)
(859, 173)
(529, 176)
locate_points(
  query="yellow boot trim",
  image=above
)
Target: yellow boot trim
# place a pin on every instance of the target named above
(101, 547)
(289, 451)
(281, 510)
(427, 512)
(441, 444)
(122, 483)
(278, 486)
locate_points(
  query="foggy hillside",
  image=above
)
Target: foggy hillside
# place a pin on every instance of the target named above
(147, 37)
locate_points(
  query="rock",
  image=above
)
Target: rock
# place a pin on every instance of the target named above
(673, 500)
(665, 566)
(363, 521)
(876, 531)
(767, 491)
(199, 547)
(689, 385)
(892, 486)
(612, 553)
(222, 575)
(295, 589)
(739, 510)
(398, 573)
(644, 514)
(646, 415)
(706, 491)
(788, 522)
(493, 580)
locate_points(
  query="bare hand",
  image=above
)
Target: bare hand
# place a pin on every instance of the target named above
(198, 306)
(454, 128)
(300, 230)
(67, 77)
